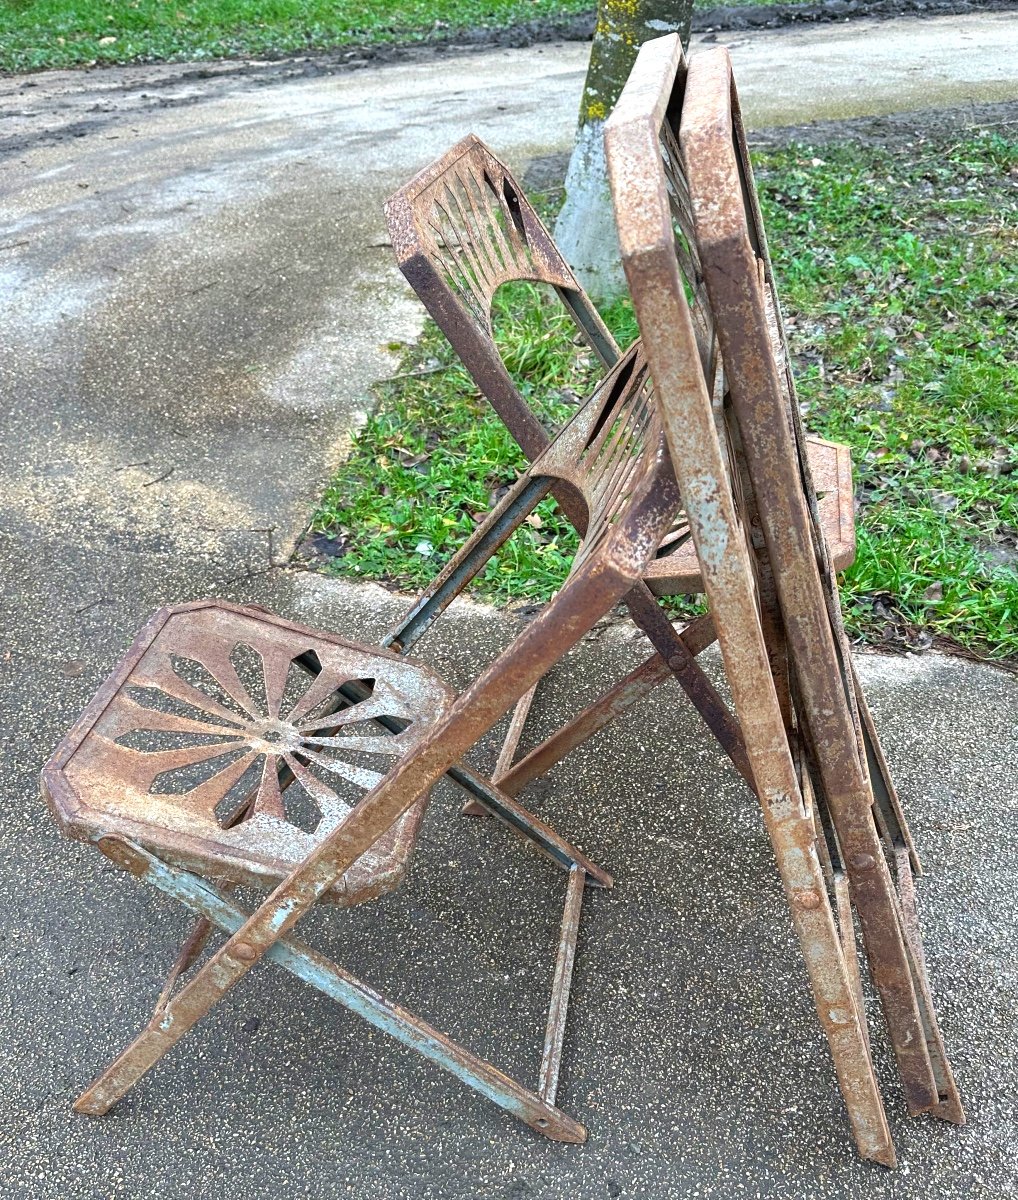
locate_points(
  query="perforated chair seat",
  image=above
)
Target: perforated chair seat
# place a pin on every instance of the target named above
(184, 748)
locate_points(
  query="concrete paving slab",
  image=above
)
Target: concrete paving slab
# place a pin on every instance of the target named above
(196, 297)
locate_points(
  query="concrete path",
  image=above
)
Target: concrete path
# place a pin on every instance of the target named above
(196, 294)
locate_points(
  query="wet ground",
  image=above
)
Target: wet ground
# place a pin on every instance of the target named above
(787, 76)
(197, 294)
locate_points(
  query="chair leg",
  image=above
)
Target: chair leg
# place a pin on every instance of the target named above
(554, 1035)
(474, 808)
(679, 650)
(950, 1107)
(841, 1016)
(190, 952)
(211, 904)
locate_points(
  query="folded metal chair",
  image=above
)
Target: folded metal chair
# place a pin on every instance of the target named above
(233, 747)
(461, 229)
(696, 261)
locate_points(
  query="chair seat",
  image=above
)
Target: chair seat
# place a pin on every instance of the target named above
(209, 712)
(678, 572)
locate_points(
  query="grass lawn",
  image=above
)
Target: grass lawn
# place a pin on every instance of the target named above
(66, 33)
(897, 273)
(37, 34)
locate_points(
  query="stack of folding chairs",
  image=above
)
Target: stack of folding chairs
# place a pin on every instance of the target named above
(685, 471)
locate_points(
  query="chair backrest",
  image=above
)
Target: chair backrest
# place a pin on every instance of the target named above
(740, 281)
(610, 463)
(461, 228)
(660, 253)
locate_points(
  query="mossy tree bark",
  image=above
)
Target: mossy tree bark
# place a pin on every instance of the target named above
(585, 229)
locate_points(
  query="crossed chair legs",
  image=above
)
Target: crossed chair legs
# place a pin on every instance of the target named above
(174, 1016)
(263, 932)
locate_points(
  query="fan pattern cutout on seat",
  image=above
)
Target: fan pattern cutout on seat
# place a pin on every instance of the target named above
(226, 733)
(226, 736)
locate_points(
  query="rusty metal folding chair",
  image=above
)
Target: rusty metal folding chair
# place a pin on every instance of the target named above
(461, 229)
(233, 747)
(696, 261)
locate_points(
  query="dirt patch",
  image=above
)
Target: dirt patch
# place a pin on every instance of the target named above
(895, 129)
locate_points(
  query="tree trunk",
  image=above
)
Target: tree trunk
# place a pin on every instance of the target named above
(585, 229)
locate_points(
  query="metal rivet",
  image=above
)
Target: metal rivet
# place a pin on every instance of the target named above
(808, 899)
(245, 952)
(863, 861)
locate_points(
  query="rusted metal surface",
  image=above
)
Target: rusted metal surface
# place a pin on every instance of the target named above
(761, 382)
(650, 193)
(462, 228)
(551, 1059)
(351, 702)
(690, 227)
(177, 734)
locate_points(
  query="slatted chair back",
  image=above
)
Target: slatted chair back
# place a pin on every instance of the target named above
(691, 231)
(460, 230)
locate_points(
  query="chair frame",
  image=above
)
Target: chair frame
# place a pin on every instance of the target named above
(677, 159)
(612, 460)
(461, 228)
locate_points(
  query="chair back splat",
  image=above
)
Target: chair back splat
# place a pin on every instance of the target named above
(461, 229)
(696, 260)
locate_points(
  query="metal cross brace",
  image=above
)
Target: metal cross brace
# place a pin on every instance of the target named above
(213, 905)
